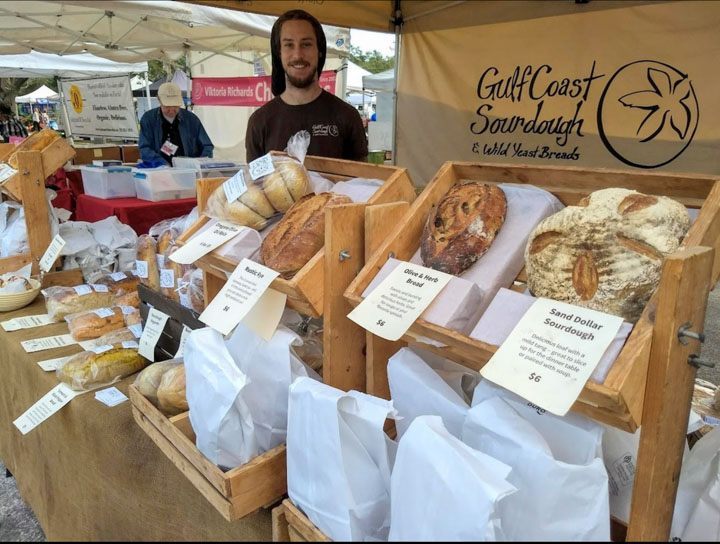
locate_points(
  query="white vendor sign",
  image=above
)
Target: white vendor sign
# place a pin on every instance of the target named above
(101, 107)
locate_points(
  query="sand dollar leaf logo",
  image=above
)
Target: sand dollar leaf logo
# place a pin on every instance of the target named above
(665, 102)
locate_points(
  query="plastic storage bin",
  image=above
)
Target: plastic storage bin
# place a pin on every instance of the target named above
(206, 167)
(164, 183)
(108, 182)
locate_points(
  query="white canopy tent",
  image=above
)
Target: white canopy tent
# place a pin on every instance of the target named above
(43, 94)
(35, 64)
(383, 81)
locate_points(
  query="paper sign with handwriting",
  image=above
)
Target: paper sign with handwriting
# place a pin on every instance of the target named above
(551, 353)
(49, 342)
(51, 403)
(26, 322)
(235, 187)
(51, 253)
(394, 305)
(151, 333)
(240, 293)
(53, 364)
(205, 242)
(183, 338)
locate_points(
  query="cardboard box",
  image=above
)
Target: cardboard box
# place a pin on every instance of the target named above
(86, 155)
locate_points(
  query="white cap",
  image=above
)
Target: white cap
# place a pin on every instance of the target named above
(169, 94)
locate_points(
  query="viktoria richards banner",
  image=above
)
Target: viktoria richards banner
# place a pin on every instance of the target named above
(243, 91)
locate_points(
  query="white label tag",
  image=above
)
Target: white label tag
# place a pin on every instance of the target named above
(136, 330)
(53, 364)
(83, 289)
(6, 172)
(235, 186)
(185, 300)
(183, 338)
(551, 353)
(101, 349)
(130, 344)
(261, 166)
(204, 243)
(49, 342)
(167, 278)
(394, 305)
(51, 403)
(111, 396)
(153, 329)
(127, 310)
(27, 322)
(169, 148)
(99, 288)
(118, 276)
(51, 253)
(141, 269)
(160, 260)
(103, 312)
(242, 290)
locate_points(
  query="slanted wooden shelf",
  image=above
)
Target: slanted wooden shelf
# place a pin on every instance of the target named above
(619, 400)
(290, 525)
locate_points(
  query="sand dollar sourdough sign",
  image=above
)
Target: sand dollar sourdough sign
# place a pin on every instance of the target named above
(648, 114)
(606, 253)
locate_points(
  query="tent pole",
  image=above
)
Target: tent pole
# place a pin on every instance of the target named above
(147, 91)
(189, 81)
(398, 22)
(63, 109)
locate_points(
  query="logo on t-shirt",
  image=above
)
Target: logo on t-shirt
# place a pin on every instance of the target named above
(325, 130)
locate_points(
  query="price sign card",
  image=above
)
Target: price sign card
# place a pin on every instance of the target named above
(261, 166)
(27, 322)
(183, 338)
(49, 342)
(151, 333)
(50, 365)
(50, 404)
(111, 396)
(205, 242)
(395, 304)
(551, 353)
(235, 186)
(51, 253)
(240, 293)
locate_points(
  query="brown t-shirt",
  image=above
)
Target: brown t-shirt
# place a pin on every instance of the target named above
(335, 128)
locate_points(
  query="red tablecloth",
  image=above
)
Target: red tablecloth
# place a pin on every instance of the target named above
(139, 214)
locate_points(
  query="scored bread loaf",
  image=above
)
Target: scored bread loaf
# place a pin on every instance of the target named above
(171, 391)
(63, 301)
(164, 241)
(299, 235)
(606, 253)
(252, 209)
(460, 229)
(287, 184)
(147, 265)
(95, 323)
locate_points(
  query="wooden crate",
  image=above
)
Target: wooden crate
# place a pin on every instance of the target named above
(290, 525)
(305, 289)
(237, 493)
(619, 400)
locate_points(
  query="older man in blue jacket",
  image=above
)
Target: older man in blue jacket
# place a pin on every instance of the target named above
(169, 131)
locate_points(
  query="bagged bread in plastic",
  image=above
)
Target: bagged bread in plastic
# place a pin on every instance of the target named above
(119, 283)
(94, 323)
(92, 369)
(146, 262)
(128, 299)
(191, 292)
(171, 392)
(171, 273)
(63, 301)
(149, 379)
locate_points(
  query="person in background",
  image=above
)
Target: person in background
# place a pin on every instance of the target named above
(10, 125)
(36, 119)
(170, 131)
(45, 119)
(298, 49)
(373, 117)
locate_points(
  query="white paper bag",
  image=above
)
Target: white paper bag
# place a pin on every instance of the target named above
(422, 383)
(557, 469)
(697, 506)
(443, 490)
(270, 368)
(219, 414)
(339, 460)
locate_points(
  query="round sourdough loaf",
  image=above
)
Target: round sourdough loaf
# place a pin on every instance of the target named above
(252, 209)
(299, 235)
(605, 253)
(287, 184)
(460, 229)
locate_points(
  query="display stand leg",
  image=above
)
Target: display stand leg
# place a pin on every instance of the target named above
(379, 220)
(32, 188)
(343, 340)
(684, 285)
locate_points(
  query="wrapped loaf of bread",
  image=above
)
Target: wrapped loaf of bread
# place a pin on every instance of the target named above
(149, 379)
(252, 209)
(119, 283)
(171, 392)
(460, 229)
(287, 184)
(299, 235)
(63, 301)
(95, 323)
(116, 337)
(12, 284)
(35, 142)
(191, 292)
(146, 262)
(171, 274)
(606, 253)
(89, 370)
(128, 299)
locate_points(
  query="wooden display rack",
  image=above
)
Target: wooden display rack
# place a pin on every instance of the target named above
(290, 525)
(619, 400)
(27, 186)
(317, 290)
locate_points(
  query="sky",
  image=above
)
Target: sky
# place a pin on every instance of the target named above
(367, 41)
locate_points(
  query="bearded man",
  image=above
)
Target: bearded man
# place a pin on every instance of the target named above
(298, 49)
